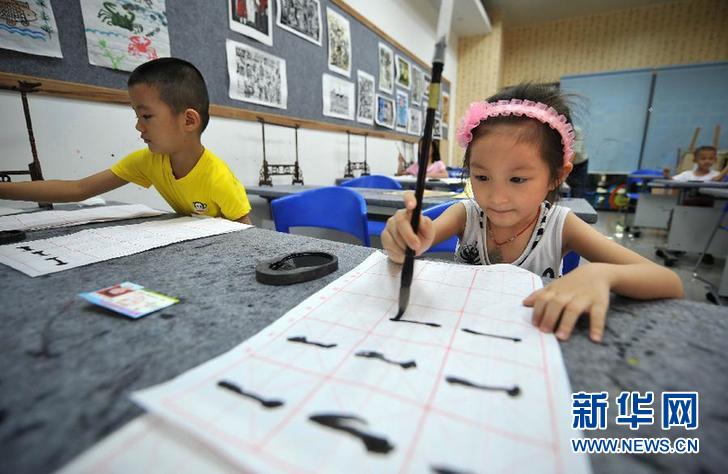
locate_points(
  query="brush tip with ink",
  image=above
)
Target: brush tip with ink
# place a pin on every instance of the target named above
(404, 293)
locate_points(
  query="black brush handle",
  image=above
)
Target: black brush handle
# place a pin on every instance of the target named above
(424, 153)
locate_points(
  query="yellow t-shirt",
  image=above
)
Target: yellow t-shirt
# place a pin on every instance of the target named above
(210, 189)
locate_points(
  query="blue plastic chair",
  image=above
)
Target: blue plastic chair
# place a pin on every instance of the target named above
(433, 213)
(456, 172)
(571, 261)
(639, 182)
(376, 227)
(331, 207)
(376, 181)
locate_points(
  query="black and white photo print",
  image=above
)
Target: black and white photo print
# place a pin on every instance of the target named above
(252, 18)
(386, 69)
(339, 43)
(365, 97)
(255, 76)
(338, 97)
(402, 72)
(302, 18)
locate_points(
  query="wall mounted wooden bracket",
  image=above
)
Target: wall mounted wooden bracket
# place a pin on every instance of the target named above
(268, 169)
(352, 166)
(34, 169)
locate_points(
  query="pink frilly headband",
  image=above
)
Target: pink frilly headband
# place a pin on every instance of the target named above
(480, 111)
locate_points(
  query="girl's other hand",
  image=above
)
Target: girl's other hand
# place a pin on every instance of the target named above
(398, 234)
(559, 305)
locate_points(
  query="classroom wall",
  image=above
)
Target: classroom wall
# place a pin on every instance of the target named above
(685, 32)
(480, 61)
(77, 138)
(658, 35)
(413, 23)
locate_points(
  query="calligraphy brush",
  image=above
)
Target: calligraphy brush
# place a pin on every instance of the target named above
(438, 61)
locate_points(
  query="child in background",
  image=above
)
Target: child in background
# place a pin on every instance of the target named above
(518, 151)
(704, 158)
(435, 167)
(169, 97)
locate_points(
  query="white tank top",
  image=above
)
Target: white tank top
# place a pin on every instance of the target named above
(542, 254)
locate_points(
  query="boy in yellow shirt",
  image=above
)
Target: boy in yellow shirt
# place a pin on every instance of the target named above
(169, 97)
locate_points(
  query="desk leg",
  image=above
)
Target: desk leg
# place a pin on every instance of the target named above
(723, 289)
(260, 214)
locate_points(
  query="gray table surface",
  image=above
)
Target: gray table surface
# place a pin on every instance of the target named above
(391, 198)
(388, 198)
(669, 183)
(444, 184)
(645, 176)
(68, 367)
(685, 188)
(721, 193)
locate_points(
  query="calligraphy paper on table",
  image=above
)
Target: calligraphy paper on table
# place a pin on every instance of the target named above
(465, 381)
(40, 257)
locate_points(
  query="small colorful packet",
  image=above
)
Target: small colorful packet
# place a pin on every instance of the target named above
(129, 299)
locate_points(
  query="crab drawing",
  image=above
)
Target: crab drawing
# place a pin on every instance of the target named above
(13, 11)
(111, 16)
(139, 46)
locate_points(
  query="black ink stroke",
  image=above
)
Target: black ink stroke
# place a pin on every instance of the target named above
(477, 333)
(378, 355)
(447, 470)
(512, 391)
(58, 261)
(234, 388)
(41, 253)
(397, 320)
(342, 422)
(303, 340)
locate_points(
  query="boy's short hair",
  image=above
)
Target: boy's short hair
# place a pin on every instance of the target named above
(180, 85)
(705, 148)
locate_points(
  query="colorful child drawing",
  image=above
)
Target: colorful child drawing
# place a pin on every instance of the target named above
(29, 26)
(121, 34)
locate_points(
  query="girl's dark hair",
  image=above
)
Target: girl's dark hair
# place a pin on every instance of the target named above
(180, 85)
(435, 150)
(548, 139)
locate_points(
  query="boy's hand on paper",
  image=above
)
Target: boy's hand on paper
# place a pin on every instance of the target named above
(398, 233)
(560, 304)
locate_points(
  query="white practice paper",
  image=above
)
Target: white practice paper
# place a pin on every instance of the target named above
(148, 444)
(477, 387)
(40, 257)
(50, 219)
(6, 211)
